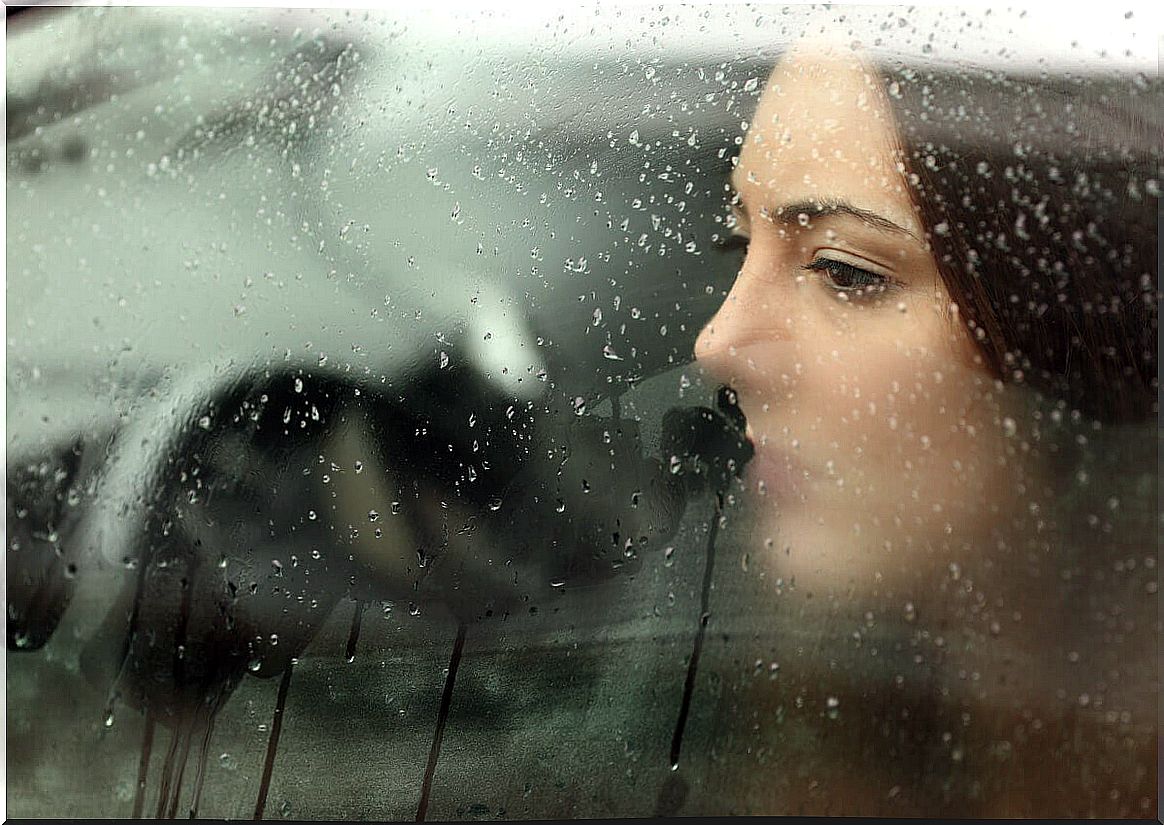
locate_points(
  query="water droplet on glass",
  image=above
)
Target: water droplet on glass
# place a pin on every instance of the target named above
(444, 359)
(579, 405)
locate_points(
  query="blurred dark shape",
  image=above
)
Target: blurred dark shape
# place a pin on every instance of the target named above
(709, 447)
(41, 563)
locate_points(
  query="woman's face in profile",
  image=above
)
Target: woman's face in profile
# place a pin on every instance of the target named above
(877, 429)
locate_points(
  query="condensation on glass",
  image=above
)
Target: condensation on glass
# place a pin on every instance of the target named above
(604, 413)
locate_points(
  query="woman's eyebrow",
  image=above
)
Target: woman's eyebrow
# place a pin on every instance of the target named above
(789, 214)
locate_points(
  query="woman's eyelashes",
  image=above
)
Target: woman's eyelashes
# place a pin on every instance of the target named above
(849, 280)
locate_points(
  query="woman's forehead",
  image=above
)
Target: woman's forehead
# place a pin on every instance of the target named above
(823, 93)
(823, 130)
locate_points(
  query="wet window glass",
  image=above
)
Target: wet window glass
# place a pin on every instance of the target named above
(611, 412)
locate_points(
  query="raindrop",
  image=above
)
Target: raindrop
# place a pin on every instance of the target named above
(579, 405)
(444, 359)
(609, 354)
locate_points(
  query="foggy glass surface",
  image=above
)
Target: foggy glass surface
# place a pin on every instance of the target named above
(488, 415)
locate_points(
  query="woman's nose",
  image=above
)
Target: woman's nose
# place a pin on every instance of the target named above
(749, 316)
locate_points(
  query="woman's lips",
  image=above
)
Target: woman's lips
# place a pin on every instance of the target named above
(774, 471)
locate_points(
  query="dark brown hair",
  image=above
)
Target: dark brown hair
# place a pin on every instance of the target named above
(1040, 197)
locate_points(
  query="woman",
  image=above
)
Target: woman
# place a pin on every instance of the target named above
(949, 295)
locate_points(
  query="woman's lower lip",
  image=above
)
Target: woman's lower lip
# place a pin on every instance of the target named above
(774, 472)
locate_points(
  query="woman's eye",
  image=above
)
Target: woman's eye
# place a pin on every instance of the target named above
(846, 278)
